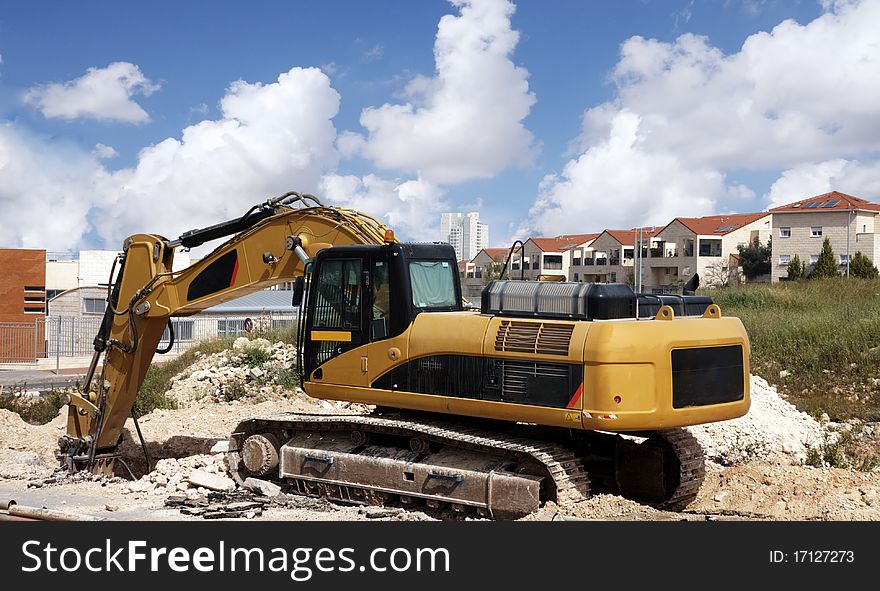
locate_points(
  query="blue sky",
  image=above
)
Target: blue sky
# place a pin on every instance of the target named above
(566, 52)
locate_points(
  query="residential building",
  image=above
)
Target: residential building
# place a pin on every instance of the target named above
(700, 245)
(800, 228)
(610, 257)
(549, 256)
(465, 232)
(477, 272)
(22, 302)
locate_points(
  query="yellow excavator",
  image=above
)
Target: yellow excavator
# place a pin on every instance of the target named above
(548, 391)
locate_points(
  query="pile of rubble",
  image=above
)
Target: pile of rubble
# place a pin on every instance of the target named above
(774, 430)
(249, 370)
(192, 476)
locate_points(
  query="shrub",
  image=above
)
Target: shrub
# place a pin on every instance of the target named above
(862, 267)
(796, 268)
(755, 259)
(234, 390)
(826, 266)
(254, 357)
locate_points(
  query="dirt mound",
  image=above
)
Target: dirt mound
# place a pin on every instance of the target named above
(774, 430)
(28, 450)
(251, 371)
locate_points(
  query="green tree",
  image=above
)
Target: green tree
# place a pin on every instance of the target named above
(861, 266)
(796, 268)
(826, 266)
(755, 258)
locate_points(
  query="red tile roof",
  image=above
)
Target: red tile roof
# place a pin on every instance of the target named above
(718, 225)
(628, 237)
(495, 253)
(827, 201)
(562, 242)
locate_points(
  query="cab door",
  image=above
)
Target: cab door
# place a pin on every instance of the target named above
(337, 321)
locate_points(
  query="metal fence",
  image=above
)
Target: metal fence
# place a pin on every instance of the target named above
(57, 337)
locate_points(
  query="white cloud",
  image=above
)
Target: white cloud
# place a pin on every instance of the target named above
(411, 208)
(104, 94)
(271, 138)
(466, 121)
(103, 152)
(617, 184)
(799, 93)
(46, 190)
(861, 179)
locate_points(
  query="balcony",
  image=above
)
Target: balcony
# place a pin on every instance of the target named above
(656, 252)
(614, 261)
(588, 262)
(601, 262)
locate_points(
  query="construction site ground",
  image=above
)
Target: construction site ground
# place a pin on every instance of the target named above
(755, 465)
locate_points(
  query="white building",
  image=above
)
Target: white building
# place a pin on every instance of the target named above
(465, 232)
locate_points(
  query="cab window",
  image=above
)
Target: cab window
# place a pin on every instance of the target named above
(338, 295)
(433, 284)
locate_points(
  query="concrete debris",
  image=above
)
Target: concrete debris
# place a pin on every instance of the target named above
(262, 487)
(221, 447)
(211, 481)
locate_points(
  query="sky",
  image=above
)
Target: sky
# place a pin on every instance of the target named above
(546, 116)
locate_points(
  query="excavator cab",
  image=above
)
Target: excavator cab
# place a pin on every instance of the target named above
(367, 293)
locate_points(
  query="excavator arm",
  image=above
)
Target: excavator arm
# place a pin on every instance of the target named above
(272, 243)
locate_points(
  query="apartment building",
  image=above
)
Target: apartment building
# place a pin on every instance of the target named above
(550, 256)
(465, 232)
(801, 227)
(700, 245)
(609, 257)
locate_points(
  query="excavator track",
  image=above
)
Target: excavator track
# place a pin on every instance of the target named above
(517, 462)
(691, 467)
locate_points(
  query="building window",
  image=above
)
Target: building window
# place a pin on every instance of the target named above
(816, 231)
(814, 258)
(553, 262)
(576, 261)
(515, 266)
(32, 310)
(535, 265)
(576, 277)
(785, 232)
(35, 288)
(34, 299)
(784, 259)
(93, 305)
(844, 259)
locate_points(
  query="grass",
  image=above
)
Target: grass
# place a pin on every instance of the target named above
(824, 334)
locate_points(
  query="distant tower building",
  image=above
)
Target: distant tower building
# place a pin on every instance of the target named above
(465, 232)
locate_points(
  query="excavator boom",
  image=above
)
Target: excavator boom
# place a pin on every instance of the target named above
(272, 243)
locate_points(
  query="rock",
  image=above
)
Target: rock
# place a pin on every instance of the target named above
(824, 418)
(28, 459)
(221, 447)
(262, 487)
(111, 507)
(240, 344)
(784, 373)
(720, 497)
(204, 479)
